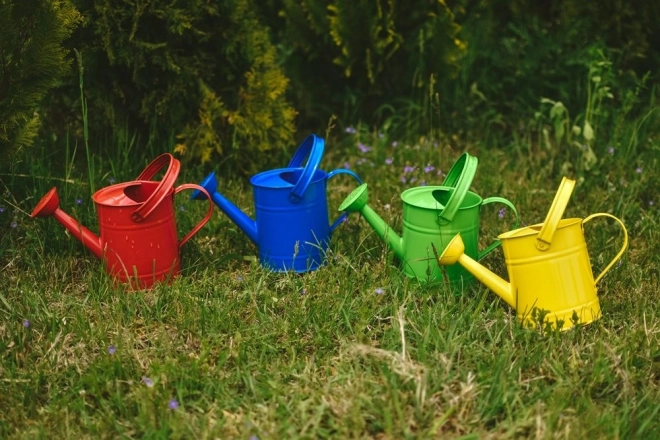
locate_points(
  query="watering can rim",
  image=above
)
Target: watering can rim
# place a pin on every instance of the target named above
(535, 229)
(118, 190)
(460, 178)
(275, 176)
(432, 188)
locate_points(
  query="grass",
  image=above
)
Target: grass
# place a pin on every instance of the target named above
(353, 350)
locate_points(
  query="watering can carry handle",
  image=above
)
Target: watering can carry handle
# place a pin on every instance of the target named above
(497, 242)
(344, 215)
(623, 248)
(163, 188)
(205, 219)
(544, 239)
(459, 178)
(312, 149)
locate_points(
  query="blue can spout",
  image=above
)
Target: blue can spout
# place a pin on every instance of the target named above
(245, 223)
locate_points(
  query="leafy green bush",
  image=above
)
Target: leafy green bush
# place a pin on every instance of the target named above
(521, 51)
(32, 61)
(203, 71)
(364, 59)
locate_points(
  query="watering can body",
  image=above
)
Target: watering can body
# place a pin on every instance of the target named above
(139, 247)
(559, 279)
(424, 229)
(550, 278)
(432, 216)
(291, 228)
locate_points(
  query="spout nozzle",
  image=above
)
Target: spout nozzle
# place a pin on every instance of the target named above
(356, 200)
(452, 252)
(48, 204)
(210, 184)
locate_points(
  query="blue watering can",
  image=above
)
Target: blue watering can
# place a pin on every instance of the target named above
(291, 229)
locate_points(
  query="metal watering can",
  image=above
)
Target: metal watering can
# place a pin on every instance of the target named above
(432, 216)
(291, 229)
(137, 230)
(548, 265)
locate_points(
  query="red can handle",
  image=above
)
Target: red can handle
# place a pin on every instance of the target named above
(163, 188)
(205, 219)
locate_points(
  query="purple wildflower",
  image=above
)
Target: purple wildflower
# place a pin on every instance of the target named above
(111, 180)
(389, 161)
(26, 323)
(429, 168)
(347, 165)
(253, 437)
(422, 183)
(351, 130)
(361, 161)
(379, 291)
(79, 201)
(413, 180)
(403, 179)
(610, 150)
(239, 278)
(639, 170)
(182, 208)
(112, 349)
(501, 213)
(173, 404)
(408, 169)
(395, 143)
(2, 209)
(303, 292)
(363, 148)
(13, 224)
(148, 382)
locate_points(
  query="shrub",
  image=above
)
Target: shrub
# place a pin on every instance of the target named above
(521, 51)
(32, 61)
(364, 59)
(204, 71)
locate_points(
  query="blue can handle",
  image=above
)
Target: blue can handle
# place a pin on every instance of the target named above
(343, 216)
(313, 147)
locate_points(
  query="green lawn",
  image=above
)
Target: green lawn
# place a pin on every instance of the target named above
(353, 350)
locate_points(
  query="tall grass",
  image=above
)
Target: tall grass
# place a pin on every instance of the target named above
(352, 350)
(355, 349)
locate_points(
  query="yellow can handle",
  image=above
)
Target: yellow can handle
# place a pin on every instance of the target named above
(623, 248)
(544, 239)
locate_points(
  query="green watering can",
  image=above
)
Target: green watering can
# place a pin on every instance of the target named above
(432, 216)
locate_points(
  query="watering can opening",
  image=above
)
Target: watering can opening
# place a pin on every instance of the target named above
(436, 198)
(138, 192)
(283, 178)
(126, 194)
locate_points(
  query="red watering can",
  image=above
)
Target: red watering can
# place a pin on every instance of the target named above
(138, 238)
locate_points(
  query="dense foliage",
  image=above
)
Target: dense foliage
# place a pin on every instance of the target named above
(363, 59)
(522, 51)
(210, 79)
(32, 60)
(204, 71)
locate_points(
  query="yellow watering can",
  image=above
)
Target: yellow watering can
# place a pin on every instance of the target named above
(548, 265)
